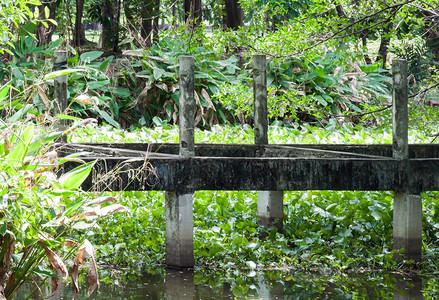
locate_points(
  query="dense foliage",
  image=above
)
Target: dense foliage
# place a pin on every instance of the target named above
(320, 60)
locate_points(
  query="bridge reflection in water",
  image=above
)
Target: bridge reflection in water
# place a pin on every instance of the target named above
(184, 284)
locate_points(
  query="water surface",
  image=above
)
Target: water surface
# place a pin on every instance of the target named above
(161, 283)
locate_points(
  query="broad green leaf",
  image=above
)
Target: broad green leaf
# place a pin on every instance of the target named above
(72, 50)
(27, 28)
(16, 73)
(103, 66)
(46, 12)
(97, 84)
(321, 100)
(376, 214)
(90, 56)
(22, 111)
(47, 138)
(61, 72)
(20, 150)
(67, 117)
(157, 73)
(74, 178)
(4, 91)
(107, 117)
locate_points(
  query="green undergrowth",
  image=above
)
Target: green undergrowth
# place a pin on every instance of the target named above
(341, 231)
(278, 133)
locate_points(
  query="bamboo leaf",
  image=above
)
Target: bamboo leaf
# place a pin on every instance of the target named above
(61, 73)
(73, 179)
(90, 56)
(20, 150)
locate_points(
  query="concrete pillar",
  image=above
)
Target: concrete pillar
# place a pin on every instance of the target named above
(178, 206)
(60, 86)
(260, 99)
(407, 207)
(270, 203)
(187, 106)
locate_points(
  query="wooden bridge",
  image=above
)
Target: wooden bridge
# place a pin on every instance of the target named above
(180, 169)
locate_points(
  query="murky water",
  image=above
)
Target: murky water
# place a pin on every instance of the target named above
(277, 284)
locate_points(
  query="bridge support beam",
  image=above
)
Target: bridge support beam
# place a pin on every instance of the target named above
(407, 206)
(270, 203)
(178, 206)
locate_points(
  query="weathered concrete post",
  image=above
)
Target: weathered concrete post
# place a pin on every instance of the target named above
(60, 85)
(178, 207)
(270, 203)
(407, 207)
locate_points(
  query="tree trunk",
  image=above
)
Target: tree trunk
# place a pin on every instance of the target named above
(79, 32)
(384, 45)
(234, 14)
(43, 34)
(147, 12)
(110, 16)
(155, 26)
(363, 34)
(432, 33)
(193, 12)
(116, 18)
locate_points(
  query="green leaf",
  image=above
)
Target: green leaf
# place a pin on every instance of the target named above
(157, 73)
(74, 178)
(4, 91)
(46, 12)
(42, 272)
(107, 117)
(90, 56)
(377, 215)
(17, 73)
(22, 111)
(27, 28)
(20, 150)
(38, 144)
(321, 100)
(97, 84)
(74, 155)
(103, 66)
(251, 264)
(61, 72)
(3, 229)
(66, 117)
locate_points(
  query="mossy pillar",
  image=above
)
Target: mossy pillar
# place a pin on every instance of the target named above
(60, 85)
(270, 203)
(179, 206)
(407, 207)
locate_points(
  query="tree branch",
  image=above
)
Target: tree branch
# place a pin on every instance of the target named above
(334, 35)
